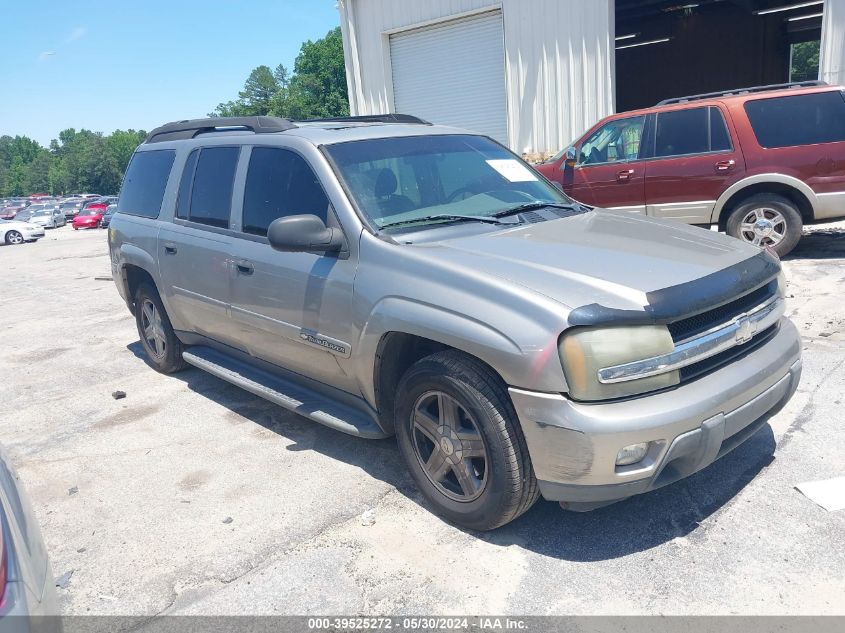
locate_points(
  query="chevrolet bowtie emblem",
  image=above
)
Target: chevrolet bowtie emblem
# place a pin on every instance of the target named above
(745, 330)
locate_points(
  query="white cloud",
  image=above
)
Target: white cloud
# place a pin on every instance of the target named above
(45, 55)
(77, 34)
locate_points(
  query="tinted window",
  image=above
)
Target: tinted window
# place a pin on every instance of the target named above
(280, 183)
(691, 131)
(184, 200)
(618, 140)
(682, 132)
(211, 195)
(145, 182)
(798, 120)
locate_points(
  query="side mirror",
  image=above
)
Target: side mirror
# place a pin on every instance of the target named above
(571, 158)
(303, 233)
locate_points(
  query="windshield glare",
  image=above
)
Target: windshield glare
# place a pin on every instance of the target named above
(413, 177)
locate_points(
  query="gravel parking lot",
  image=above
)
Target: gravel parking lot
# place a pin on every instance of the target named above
(192, 496)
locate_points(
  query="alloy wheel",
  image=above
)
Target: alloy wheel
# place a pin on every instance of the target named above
(763, 226)
(153, 329)
(449, 446)
(14, 237)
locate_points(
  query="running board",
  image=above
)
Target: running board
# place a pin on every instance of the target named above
(284, 392)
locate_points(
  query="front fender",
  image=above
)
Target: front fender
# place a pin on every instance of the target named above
(518, 363)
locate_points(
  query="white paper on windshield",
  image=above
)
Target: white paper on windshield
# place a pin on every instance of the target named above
(511, 169)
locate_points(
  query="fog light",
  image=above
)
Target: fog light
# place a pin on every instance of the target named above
(631, 454)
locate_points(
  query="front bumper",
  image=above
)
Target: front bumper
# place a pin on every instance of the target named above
(573, 445)
(34, 233)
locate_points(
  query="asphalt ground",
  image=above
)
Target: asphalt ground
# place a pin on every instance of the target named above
(191, 496)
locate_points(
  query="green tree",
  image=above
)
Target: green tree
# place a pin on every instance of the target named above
(36, 177)
(805, 61)
(121, 144)
(255, 99)
(317, 87)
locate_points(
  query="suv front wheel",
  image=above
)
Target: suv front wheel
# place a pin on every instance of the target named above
(461, 440)
(767, 220)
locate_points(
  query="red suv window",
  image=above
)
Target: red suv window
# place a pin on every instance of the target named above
(691, 131)
(805, 119)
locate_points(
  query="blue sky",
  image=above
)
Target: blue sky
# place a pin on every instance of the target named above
(139, 63)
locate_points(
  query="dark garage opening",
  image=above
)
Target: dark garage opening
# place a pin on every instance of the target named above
(671, 48)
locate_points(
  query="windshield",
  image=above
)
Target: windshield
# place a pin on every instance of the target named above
(398, 180)
(42, 212)
(90, 212)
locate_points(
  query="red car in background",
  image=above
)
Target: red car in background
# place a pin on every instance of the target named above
(92, 213)
(88, 218)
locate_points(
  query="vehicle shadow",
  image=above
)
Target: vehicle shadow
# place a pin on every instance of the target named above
(820, 244)
(636, 524)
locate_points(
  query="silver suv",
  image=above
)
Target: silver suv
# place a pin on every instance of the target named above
(381, 275)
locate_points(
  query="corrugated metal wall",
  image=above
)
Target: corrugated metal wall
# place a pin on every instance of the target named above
(559, 61)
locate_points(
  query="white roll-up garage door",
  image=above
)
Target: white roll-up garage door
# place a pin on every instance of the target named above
(453, 74)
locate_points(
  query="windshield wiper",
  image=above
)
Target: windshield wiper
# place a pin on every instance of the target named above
(490, 219)
(531, 206)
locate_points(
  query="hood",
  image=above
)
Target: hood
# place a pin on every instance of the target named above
(19, 225)
(609, 258)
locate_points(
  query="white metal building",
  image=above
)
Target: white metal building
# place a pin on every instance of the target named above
(535, 74)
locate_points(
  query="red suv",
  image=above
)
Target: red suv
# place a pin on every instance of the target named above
(758, 162)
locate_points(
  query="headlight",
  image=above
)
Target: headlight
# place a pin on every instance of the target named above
(584, 351)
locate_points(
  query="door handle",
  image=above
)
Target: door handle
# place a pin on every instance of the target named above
(170, 249)
(725, 165)
(244, 267)
(624, 175)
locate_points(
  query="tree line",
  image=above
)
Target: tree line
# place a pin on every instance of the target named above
(87, 161)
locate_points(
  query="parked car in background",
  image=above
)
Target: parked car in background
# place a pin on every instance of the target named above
(380, 275)
(27, 587)
(107, 216)
(10, 210)
(759, 162)
(17, 232)
(88, 218)
(25, 214)
(71, 207)
(49, 217)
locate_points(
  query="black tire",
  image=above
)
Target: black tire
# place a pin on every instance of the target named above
(781, 214)
(509, 487)
(164, 351)
(14, 237)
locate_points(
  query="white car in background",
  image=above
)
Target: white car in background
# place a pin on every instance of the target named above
(49, 217)
(16, 232)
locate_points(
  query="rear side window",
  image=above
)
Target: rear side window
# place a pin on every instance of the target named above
(798, 120)
(211, 193)
(280, 183)
(691, 131)
(183, 202)
(145, 182)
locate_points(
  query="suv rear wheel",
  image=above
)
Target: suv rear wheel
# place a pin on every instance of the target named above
(163, 348)
(460, 438)
(767, 220)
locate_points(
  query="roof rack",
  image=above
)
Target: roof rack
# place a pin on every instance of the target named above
(389, 117)
(742, 91)
(193, 127)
